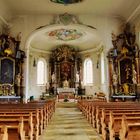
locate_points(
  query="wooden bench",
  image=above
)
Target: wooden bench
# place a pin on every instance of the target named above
(116, 120)
(130, 129)
(3, 132)
(41, 113)
(13, 129)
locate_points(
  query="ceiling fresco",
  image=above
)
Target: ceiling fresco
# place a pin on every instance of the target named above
(65, 34)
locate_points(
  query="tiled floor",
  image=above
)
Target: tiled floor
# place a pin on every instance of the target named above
(68, 123)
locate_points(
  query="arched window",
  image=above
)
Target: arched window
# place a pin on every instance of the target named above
(41, 72)
(88, 72)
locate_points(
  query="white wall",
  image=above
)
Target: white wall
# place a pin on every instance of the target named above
(34, 89)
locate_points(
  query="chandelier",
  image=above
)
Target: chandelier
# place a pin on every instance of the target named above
(66, 1)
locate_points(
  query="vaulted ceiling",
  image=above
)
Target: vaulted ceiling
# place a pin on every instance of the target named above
(124, 9)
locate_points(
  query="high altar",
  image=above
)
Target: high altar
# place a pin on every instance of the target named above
(65, 69)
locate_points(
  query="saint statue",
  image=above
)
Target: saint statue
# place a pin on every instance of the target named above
(53, 77)
(77, 77)
(18, 79)
(128, 72)
(115, 79)
(126, 88)
(134, 79)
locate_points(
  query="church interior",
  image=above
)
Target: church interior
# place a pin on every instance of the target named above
(69, 69)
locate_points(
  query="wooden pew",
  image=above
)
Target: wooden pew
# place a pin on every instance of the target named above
(112, 107)
(93, 112)
(116, 121)
(45, 110)
(40, 119)
(31, 121)
(3, 132)
(13, 129)
(130, 129)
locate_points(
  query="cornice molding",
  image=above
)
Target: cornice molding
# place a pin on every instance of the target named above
(98, 48)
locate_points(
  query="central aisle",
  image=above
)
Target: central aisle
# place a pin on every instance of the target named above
(68, 123)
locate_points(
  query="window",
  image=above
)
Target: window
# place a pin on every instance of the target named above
(41, 72)
(88, 72)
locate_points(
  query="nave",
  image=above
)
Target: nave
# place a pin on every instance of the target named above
(68, 123)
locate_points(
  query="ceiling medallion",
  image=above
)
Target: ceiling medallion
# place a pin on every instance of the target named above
(65, 34)
(66, 1)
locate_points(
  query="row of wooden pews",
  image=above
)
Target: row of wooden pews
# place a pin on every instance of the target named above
(113, 119)
(25, 121)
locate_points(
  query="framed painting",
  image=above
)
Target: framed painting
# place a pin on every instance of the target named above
(7, 70)
(125, 70)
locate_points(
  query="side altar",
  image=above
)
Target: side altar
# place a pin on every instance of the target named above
(124, 62)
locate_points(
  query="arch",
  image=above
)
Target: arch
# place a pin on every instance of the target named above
(27, 48)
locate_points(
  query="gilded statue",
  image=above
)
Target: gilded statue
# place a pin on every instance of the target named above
(65, 84)
(134, 73)
(128, 72)
(115, 79)
(126, 88)
(53, 78)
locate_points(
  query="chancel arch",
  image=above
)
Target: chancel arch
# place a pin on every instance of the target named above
(75, 75)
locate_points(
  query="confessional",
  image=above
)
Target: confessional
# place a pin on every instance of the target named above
(124, 65)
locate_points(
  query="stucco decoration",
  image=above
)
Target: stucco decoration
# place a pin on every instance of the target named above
(65, 19)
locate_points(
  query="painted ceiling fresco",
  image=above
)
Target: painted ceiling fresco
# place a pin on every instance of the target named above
(65, 34)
